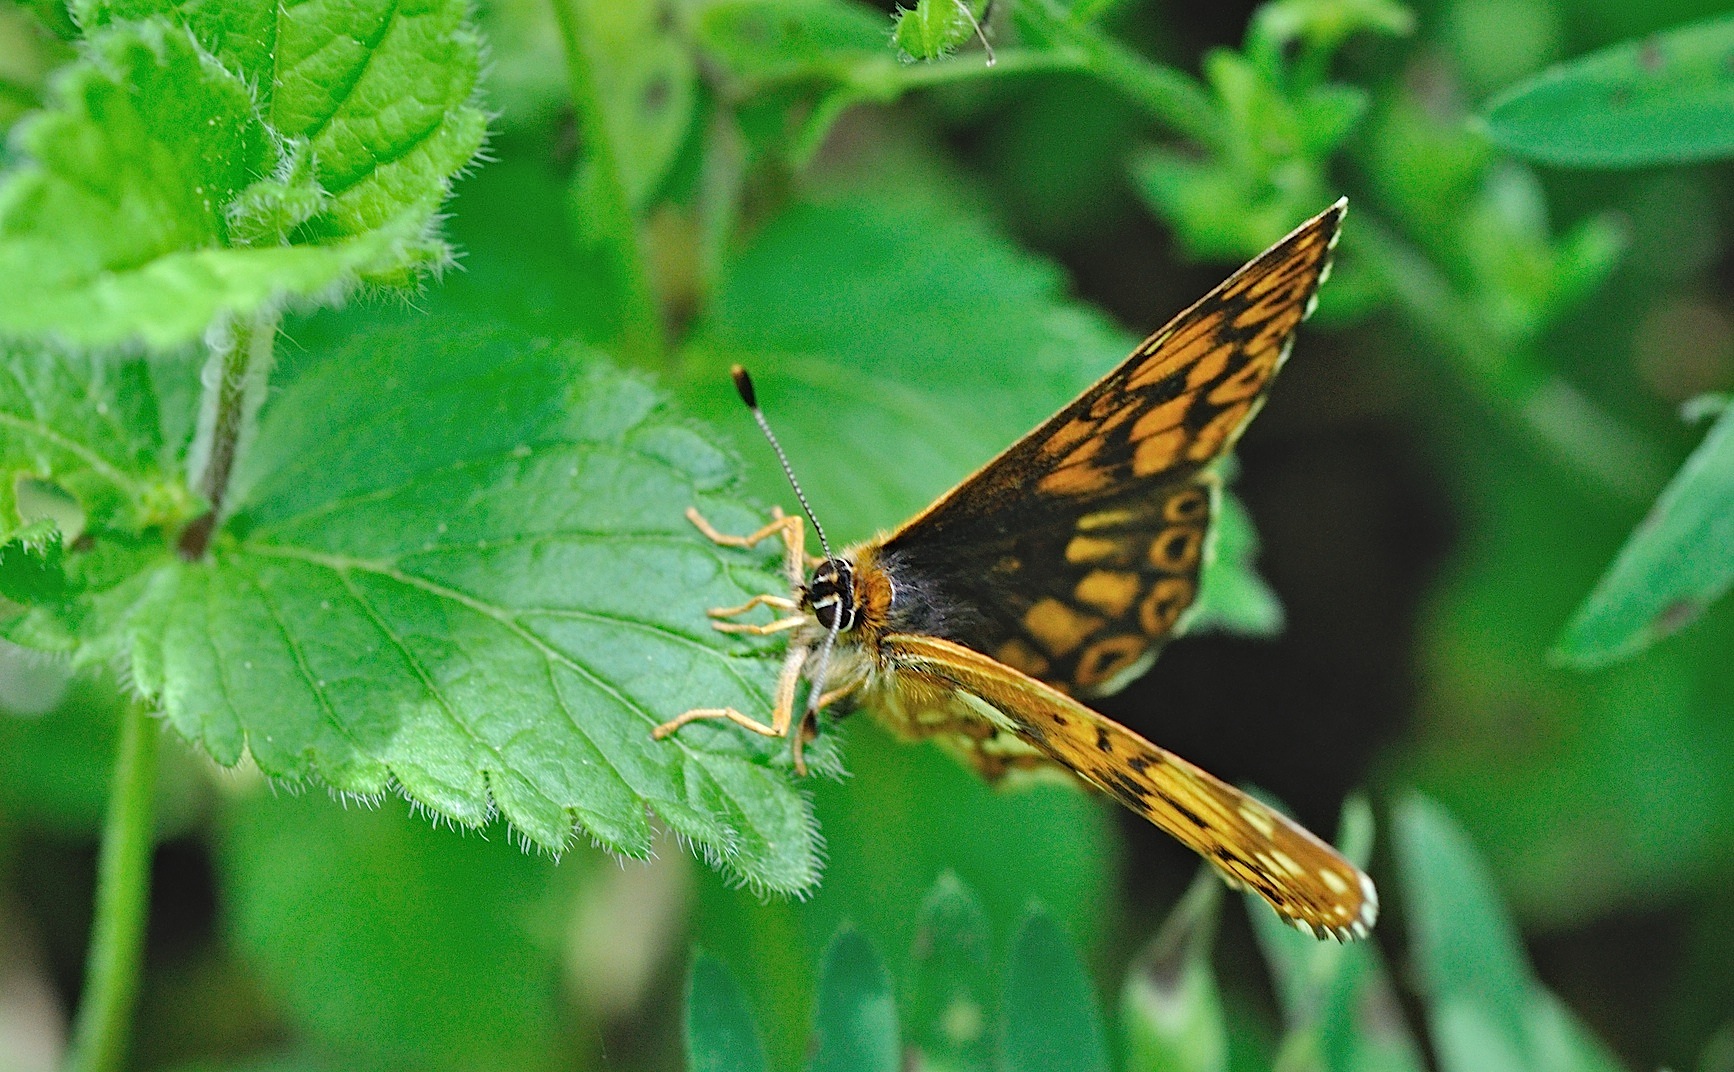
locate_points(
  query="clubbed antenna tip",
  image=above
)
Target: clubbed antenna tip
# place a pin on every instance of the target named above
(744, 384)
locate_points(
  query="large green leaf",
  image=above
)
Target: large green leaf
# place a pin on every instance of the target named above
(948, 1007)
(471, 581)
(218, 159)
(1170, 1008)
(1665, 99)
(1676, 563)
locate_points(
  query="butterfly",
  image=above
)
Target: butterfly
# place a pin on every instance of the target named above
(1053, 574)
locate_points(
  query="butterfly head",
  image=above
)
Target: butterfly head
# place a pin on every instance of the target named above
(830, 595)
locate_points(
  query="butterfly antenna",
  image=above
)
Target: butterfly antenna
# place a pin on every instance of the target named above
(744, 384)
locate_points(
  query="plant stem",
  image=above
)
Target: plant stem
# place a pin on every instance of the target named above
(234, 387)
(122, 891)
(641, 320)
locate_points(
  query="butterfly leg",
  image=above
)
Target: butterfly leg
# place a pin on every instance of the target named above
(777, 602)
(782, 710)
(761, 630)
(790, 528)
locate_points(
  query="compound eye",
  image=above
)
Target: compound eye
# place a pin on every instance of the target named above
(832, 595)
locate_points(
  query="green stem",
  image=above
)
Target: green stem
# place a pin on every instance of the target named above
(122, 892)
(641, 320)
(1171, 97)
(234, 388)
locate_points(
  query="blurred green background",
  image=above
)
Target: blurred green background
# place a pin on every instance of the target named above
(1486, 406)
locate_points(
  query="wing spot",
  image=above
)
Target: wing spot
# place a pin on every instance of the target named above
(1090, 549)
(1059, 628)
(1286, 862)
(1161, 418)
(1176, 550)
(1334, 882)
(1258, 819)
(1248, 379)
(1168, 598)
(1109, 591)
(1209, 366)
(1157, 453)
(1107, 657)
(1075, 480)
(1213, 438)
(1190, 504)
(1021, 657)
(1103, 519)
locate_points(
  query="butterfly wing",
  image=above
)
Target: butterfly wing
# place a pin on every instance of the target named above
(1250, 844)
(1073, 555)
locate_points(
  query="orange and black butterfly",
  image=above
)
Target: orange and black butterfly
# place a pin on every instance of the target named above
(1055, 572)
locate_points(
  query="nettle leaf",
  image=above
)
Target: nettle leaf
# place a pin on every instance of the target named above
(220, 159)
(896, 348)
(471, 581)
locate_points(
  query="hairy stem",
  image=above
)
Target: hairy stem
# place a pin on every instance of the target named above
(234, 387)
(122, 890)
(641, 320)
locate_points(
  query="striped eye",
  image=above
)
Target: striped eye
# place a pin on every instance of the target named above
(831, 594)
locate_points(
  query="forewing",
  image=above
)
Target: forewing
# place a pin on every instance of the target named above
(1073, 555)
(1250, 844)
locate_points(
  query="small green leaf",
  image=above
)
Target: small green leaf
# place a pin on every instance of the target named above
(1052, 1022)
(1233, 597)
(1664, 99)
(948, 1013)
(933, 29)
(856, 1023)
(720, 1033)
(648, 83)
(1170, 1009)
(1675, 564)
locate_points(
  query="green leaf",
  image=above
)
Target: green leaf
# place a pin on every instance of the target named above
(1170, 1008)
(856, 1023)
(227, 163)
(1488, 1012)
(775, 40)
(1675, 564)
(390, 942)
(647, 79)
(1668, 98)
(948, 1011)
(897, 347)
(472, 581)
(1051, 1020)
(720, 1034)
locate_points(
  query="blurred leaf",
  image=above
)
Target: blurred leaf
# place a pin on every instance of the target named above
(856, 1025)
(1676, 563)
(1488, 1012)
(1170, 1008)
(720, 1034)
(647, 80)
(773, 40)
(948, 1011)
(1051, 1020)
(1234, 597)
(391, 942)
(1668, 98)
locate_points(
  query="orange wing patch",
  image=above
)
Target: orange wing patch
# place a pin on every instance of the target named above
(1253, 846)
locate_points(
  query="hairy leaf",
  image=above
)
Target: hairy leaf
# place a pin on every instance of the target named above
(216, 159)
(471, 580)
